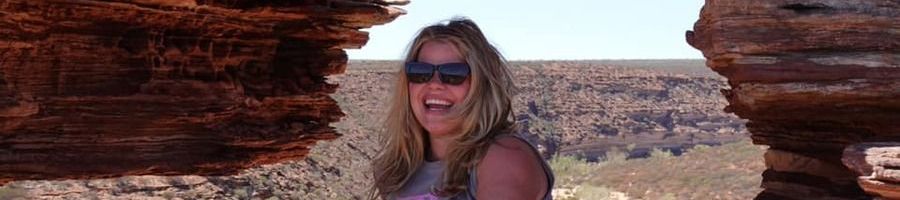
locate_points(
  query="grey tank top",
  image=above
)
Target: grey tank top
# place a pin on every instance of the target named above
(428, 175)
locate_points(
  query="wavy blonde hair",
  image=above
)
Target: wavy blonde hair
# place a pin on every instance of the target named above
(485, 112)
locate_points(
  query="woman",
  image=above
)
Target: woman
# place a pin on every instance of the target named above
(448, 132)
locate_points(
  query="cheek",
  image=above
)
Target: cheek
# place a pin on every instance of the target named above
(462, 90)
(413, 91)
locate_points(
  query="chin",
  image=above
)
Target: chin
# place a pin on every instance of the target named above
(439, 130)
(436, 130)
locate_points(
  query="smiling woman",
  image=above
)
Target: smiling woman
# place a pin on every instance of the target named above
(448, 132)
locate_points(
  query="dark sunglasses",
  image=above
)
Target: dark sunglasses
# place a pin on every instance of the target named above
(450, 73)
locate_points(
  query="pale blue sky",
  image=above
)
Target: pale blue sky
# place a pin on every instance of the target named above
(552, 30)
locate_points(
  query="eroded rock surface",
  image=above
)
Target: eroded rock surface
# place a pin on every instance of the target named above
(93, 89)
(878, 164)
(813, 77)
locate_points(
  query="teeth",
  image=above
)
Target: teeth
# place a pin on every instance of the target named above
(437, 102)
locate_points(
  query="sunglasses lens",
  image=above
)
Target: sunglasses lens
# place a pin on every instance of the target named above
(454, 73)
(419, 72)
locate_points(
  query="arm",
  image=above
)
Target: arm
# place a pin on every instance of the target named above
(510, 170)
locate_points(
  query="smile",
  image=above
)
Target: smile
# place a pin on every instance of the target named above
(437, 104)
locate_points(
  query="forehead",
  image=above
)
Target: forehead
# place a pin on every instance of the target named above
(439, 52)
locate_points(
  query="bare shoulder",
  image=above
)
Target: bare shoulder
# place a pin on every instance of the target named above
(509, 150)
(510, 170)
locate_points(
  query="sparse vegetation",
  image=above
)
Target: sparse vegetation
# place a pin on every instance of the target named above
(729, 171)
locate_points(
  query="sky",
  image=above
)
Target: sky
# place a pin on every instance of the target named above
(552, 30)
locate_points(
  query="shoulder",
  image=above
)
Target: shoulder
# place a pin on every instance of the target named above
(510, 170)
(510, 149)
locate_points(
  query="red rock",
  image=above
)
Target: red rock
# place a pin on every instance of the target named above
(812, 77)
(92, 89)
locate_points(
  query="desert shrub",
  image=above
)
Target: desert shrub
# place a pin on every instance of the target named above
(12, 193)
(242, 193)
(657, 153)
(699, 147)
(587, 191)
(572, 173)
(614, 155)
(668, 196)
(168, 194)
(571, 170)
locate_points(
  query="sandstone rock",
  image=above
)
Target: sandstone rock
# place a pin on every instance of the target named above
(878, 164)
(92, 89)
(812, 76)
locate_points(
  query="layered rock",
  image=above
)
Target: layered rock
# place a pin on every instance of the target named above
(92, 89)
(812, 77)
(878, 164)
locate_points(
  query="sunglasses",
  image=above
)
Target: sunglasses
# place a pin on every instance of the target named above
(450, 73)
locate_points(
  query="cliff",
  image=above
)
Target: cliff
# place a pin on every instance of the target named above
(93, 89)
(812, 77)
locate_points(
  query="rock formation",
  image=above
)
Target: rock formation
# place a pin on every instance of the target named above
(879, 165)
(92, 89)
(812, 77)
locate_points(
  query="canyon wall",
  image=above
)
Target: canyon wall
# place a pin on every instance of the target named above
(812, 77)
(94, 89)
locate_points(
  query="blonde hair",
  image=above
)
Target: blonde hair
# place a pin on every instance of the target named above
(485, 113)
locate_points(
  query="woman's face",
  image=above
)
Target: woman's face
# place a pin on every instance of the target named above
(431, 101)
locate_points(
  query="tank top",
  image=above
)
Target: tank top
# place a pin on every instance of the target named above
(428, 175)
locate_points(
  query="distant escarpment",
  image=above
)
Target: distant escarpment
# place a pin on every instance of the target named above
(589, 108)
(92, 89)
(813, 78)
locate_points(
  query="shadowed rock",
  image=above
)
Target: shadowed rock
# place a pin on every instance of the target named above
(813, 77)
(93, 89)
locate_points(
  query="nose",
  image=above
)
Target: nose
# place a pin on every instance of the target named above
(435, 81)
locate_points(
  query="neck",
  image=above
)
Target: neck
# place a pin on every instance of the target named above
(438, 148)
